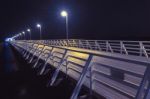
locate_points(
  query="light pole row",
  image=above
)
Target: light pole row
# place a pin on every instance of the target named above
(63, 14)
(29, 31)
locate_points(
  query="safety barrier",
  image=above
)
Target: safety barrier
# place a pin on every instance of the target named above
(114, 74)
(139, 48)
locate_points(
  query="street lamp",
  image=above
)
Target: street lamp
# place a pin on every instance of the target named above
(28, 30)
(24, 35)
(39, 26)
(65, 14)
(20, 34)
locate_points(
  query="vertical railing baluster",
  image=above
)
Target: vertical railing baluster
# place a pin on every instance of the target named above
(143, 49)
(121, 47)
(97, 45)
(107, 46)
(82, 78)
(126, 52)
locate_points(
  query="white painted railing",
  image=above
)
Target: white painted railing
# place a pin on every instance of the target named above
(139, 48)
(115, 76)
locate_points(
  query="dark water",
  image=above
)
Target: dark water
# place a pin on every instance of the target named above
(19, 81)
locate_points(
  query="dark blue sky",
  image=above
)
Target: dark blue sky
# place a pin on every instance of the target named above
(88, 19)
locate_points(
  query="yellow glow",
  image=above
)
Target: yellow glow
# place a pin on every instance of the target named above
(77, 54)
(77, 61)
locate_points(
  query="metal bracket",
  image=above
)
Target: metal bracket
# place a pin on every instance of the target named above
(27, 51)
(45, 64)
(58, 69)
(35, 53)
(147, 94)
(27, 56)
(82, 78)
(40, 56)
(37, 60)
(143, 83)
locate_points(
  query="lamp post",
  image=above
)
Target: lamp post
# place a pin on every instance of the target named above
(28, 30)
(20, 36)
(65, 14)
(39, 26)
(24, 35)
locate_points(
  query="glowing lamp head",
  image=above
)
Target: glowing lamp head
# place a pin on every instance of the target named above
(23, 32)
(64, 13)
(28, 30)
(38, 25)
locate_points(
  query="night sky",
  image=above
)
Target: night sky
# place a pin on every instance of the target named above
(88, 19)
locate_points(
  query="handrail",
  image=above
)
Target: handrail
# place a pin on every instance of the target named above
(138, 48)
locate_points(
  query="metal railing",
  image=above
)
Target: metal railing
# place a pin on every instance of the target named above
(122, 84)
(138, 48)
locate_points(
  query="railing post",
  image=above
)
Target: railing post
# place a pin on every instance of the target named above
(82, 78)
(110, 47)
(29, 52)
(80, 44)
(97, 45)
(43, 50)
(88, 45)
(68, 43)
(121, 47)
(147, 94)
(33, 54)
(143, 49)
(53, 79)
(143, 83)
(46, 61)
(26, 50)
(91, 81)
(39, 52)
(74, 43)
(107, 48)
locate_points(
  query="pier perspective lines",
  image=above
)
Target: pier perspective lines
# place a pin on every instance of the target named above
(101, 68)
